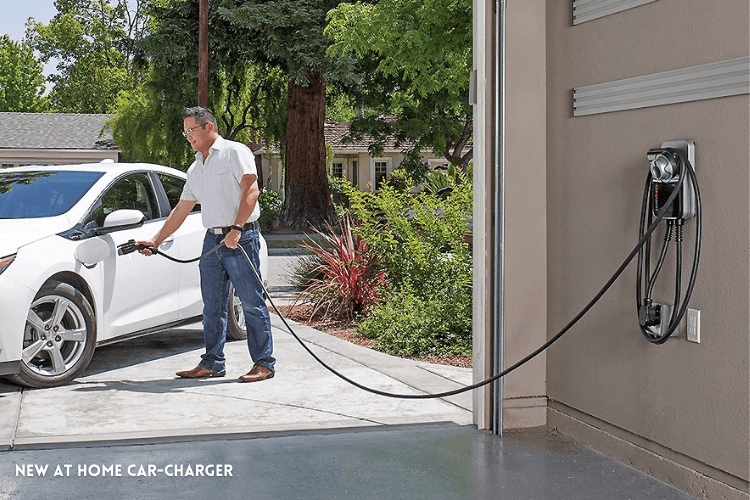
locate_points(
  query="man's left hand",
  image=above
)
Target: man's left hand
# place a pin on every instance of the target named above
(231, 240)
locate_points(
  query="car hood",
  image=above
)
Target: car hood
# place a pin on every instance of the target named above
(15, 233)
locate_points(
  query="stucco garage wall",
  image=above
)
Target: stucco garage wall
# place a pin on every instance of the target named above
(686, 403)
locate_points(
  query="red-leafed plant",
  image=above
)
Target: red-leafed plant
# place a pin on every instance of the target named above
(347, 276)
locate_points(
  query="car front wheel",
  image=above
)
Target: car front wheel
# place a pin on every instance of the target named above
(59, 337)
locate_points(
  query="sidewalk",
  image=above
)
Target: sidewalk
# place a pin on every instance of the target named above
(130, 394)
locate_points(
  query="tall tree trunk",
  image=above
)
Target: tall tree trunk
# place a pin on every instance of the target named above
(259, 169)
(308, 200)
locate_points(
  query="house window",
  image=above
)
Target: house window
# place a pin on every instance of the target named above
(355, 174)
(337, 170)
(381, 172)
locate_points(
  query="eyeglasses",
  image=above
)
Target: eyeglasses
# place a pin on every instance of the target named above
(192, 129)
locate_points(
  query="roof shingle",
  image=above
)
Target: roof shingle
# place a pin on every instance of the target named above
(55, 131)
(335, 133)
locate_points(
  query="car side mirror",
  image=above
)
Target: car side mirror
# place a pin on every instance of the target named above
(121, 219)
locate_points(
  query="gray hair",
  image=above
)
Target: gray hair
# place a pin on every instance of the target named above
(202, 115)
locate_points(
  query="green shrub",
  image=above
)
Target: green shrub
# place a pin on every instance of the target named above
(420, 236)
(436, 181)
(407, 324)
(271, 204)
(399, 180)
(337, 186)
(427, 308)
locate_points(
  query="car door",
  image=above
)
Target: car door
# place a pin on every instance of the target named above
(188, 244)
(138, 292)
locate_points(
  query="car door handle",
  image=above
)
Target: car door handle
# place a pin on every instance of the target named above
(167, 242)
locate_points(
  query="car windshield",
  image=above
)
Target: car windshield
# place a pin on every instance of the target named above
(25, 195)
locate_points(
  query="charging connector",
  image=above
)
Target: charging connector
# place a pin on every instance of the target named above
(665, 316)
(131, 247)
(649, 315)
(655, 319)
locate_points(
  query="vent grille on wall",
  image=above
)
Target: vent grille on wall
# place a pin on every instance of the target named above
(706, 81)
(587, 10)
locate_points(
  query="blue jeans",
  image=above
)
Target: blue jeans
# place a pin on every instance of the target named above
(216, 271)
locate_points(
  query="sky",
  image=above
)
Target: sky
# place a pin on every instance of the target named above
(13, 15)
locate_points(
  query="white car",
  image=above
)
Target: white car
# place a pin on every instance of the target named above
(64, 286)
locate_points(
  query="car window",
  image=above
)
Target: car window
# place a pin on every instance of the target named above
(42, 193)
(132, 192)
(173, 187)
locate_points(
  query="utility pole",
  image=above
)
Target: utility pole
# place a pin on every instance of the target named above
(203, 54)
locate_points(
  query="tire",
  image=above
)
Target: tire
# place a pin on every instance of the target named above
(59, 337)
(236, 329)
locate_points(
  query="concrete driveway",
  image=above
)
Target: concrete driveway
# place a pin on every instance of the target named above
(130, 393)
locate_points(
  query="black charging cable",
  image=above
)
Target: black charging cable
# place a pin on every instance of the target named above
(131, 247)
(645, 238)
(646, 310)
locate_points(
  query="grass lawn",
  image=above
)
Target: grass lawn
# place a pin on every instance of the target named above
(284, 243)
(293, 243)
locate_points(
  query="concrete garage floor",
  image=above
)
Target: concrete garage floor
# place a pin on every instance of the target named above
(433, 462)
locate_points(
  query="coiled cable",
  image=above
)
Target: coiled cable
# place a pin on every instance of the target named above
(645, 304)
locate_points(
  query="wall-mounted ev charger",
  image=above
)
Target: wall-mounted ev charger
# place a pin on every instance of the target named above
(672, 194)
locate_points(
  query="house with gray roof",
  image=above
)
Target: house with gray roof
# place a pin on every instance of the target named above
(350, 160)
(55, 139)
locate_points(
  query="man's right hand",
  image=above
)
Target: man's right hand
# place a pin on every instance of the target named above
(149, 244)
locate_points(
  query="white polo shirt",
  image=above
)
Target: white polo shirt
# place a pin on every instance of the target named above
(215, 182)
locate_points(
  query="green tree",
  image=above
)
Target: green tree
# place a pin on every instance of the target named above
(94, 42)
(415, 59)
(289, 34)
(147, 128)
(148, 119)
(248, 98)
(21, 78)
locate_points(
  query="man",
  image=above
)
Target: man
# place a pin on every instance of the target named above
(223, 179)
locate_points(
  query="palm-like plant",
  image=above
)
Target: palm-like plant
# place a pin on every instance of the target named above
(347, 277)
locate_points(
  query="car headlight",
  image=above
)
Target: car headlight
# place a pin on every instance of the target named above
(5, 262)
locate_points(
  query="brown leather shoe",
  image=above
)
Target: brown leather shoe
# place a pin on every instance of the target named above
(258, 373)
(200, 372)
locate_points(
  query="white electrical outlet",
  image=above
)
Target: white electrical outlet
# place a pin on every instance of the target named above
(694, 325)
